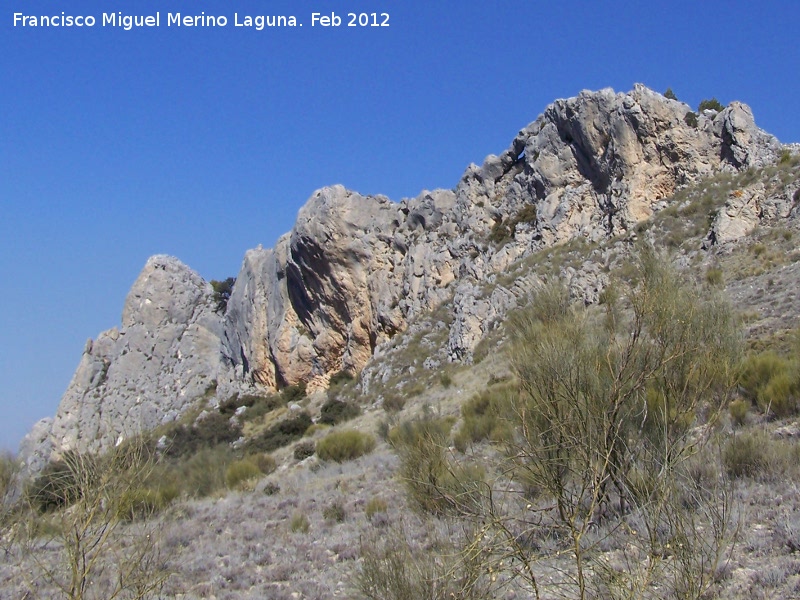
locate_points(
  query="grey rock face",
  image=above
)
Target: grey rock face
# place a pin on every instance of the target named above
(132, 379)
(355, 270)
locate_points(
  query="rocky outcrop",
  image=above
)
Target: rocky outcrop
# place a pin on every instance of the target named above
(355, 270)
(133, 378)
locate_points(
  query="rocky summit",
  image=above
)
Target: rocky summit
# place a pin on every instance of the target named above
(356, 270)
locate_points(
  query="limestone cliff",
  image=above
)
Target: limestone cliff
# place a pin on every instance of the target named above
(355, 270)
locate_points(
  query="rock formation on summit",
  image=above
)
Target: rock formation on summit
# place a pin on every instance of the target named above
(355, 270)
(164, 357)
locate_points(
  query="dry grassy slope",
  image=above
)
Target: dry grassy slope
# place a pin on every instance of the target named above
(242, 545)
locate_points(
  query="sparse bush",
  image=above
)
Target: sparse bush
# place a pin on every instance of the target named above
(8, 469)
(500, 233)
(240, 472)
(294, 393)
(690, 119)
(393, 403)
(203, 473)
(281, 434)
(253, 402)
(299, 523)
(265, 462)
(375, 505)
(786, 157)
(714, 276)
(738, 410)
(485, 418)
(335, 512)
(315, 428)
(445, 380)
(503, 230)
(141, 503)
(383, 430)
(391, 569)
(271, 488)
(435, 484)
(211, 430)
(746, 455)
(414, 389)
(606, 417)
(56, 486)
(710, 104)
(758, 455)
(335, 411)
(263, 405)
(304, 449)
(341, 446)
(102, 492)
(339, 379)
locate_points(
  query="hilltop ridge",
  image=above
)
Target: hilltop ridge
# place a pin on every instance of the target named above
(356, 270)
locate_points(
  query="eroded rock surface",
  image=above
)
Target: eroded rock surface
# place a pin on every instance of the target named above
(130, 379)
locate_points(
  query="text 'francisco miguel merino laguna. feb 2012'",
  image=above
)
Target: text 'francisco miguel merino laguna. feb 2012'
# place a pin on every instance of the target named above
(258, 22)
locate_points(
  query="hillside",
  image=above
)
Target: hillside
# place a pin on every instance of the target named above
(401, 313)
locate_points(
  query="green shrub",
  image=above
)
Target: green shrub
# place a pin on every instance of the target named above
(714, 276)
(8, 469)
(785, 158)
(135, 504)
(500, 233)
(240, 472)
(341, 446)
(690, 119)
(264, 405)
(393, 403)
(745, 455)
(335, 512)
(203, 473)
(211, 430)
(304, 449)
(260, 405)
(758, 455)
(315, 428)
(374, 506)
(772, 381)
(503, 230)
(670, 95)
(710, 104)
(434, 483)
(265, 462)
(294, 393)
(281, 434)
(299, 523)
(738, 410)
(445, 380)
(484, 418)
(409, 433)
(339, 379)
(335, 411)
(271, 489)
(222, 292)
(779, 397)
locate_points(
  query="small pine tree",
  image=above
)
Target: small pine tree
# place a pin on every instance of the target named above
(670, 94)
(712, 104)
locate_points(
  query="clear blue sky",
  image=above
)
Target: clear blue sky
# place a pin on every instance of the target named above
(202, 143)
